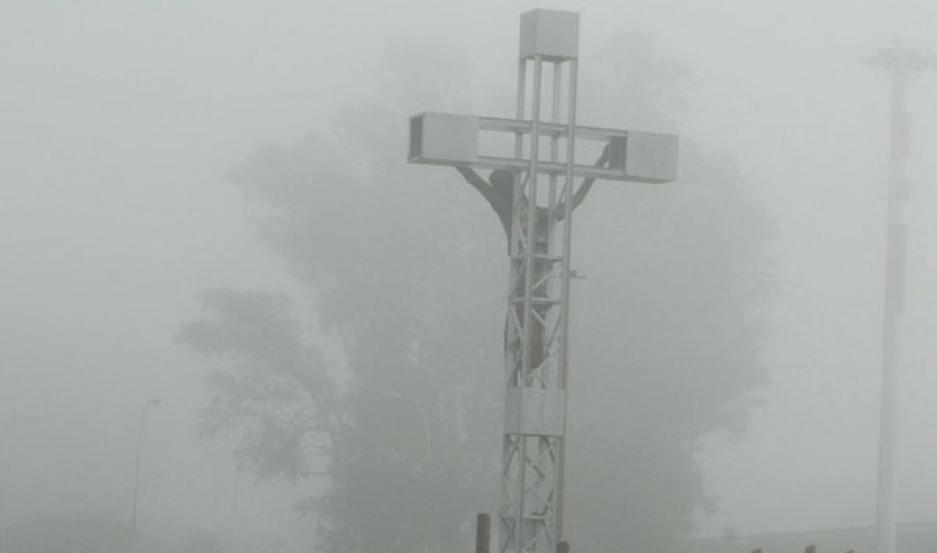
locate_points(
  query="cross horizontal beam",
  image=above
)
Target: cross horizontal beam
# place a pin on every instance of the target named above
(524, 126)
(453, 140)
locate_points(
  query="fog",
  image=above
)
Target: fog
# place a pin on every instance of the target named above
(124, 127)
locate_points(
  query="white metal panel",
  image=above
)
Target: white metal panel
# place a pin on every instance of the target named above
(443, 138)
(645, 156)
(534, 411)
(552, 34)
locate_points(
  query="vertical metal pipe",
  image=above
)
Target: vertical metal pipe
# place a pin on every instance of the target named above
(568, 206)
(554, 139)
(567, 248)
(482, 533)
(886, 515)
(534, 168)
(518, 154)
(519, 108)
(528, 274)
(136, 474)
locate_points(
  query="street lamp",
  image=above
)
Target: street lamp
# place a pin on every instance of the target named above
(903, 63)
(136, 472)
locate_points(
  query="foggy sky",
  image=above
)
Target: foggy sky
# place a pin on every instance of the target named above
(119, 121)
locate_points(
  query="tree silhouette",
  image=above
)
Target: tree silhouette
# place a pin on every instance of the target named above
(407, 268)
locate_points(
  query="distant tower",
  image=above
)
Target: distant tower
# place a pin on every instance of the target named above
(903, 63)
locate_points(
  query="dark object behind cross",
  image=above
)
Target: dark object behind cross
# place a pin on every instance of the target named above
(498, 190)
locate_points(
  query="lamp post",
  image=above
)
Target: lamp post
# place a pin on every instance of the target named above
(136, 472)
(902, 63)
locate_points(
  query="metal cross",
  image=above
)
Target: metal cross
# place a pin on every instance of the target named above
(534, 194)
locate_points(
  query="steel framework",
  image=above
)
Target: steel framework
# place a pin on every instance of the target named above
(530, 517)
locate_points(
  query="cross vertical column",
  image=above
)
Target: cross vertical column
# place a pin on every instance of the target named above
(535, 349)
